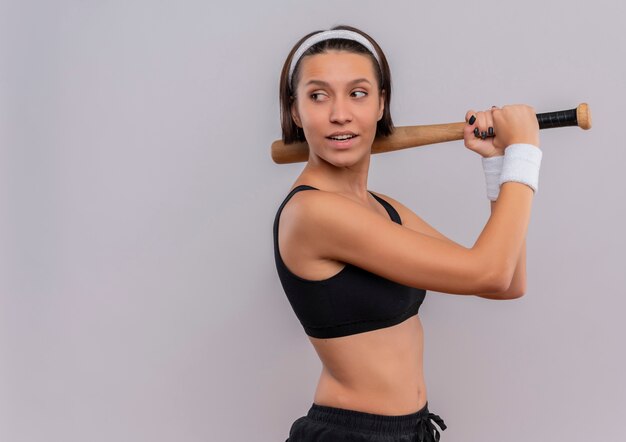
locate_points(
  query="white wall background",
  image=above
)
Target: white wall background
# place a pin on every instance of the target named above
(138, 293)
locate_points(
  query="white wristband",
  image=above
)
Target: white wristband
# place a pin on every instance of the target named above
(521, 164)
(492, 166)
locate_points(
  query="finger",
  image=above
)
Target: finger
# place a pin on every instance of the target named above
(489, 122)
(471, 141)
(477, 144)
(468, 116)
(481, 125)
(468, 130)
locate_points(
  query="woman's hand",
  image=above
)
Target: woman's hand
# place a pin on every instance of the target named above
(491, 131)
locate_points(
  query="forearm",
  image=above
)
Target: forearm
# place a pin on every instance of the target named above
(499, 245)
(518, 282)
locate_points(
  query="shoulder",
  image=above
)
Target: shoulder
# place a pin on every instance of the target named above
(312, 214)
(310, 206)
(307, 205)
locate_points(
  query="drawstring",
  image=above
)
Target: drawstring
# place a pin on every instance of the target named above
(427, 428)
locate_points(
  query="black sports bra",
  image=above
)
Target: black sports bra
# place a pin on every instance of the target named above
(349, 302)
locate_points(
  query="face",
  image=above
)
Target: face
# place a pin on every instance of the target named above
(337, 96)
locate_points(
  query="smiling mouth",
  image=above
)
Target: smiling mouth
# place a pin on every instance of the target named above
(342, 137)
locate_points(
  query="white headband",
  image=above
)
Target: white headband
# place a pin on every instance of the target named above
(326, 35)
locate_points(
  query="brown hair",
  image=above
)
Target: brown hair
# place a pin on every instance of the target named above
(291, 133)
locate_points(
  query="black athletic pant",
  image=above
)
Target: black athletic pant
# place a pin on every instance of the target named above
(330, 424)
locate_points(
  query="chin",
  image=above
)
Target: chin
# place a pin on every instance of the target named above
(345, 159)
(341, 158)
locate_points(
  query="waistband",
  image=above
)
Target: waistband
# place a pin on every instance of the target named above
(420, 421)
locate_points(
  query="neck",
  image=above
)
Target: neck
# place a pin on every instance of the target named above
(349, 179)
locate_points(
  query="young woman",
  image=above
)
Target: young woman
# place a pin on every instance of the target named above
(355, 264)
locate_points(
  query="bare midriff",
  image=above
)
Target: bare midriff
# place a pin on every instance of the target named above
(379, 371)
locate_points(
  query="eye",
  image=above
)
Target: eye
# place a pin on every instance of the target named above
(360, 92)
(314, 96)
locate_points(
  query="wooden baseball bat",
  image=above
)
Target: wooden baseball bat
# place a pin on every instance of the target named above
(404, 137)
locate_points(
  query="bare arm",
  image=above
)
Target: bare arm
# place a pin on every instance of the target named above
(412, 221)
(328, 226)
(518, 283)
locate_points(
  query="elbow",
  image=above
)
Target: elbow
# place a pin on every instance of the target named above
(516, 293)
(506, 290)
(499, 281)
(497, 285)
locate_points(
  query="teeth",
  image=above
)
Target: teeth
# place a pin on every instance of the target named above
(342, 137)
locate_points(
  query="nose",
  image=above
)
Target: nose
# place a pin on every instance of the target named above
(340, 111)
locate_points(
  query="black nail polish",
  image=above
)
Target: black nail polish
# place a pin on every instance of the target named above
(472, 119)
(476, 132)
(483, 135)
(490, 131)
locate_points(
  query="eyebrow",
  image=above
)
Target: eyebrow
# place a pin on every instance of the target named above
(323, 83)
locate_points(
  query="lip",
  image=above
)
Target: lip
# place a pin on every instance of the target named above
(345, 144)
(345, 132)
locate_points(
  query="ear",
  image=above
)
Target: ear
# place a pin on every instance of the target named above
(294, 112)
(381, 104)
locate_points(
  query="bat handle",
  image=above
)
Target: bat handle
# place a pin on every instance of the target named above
(580, 116)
